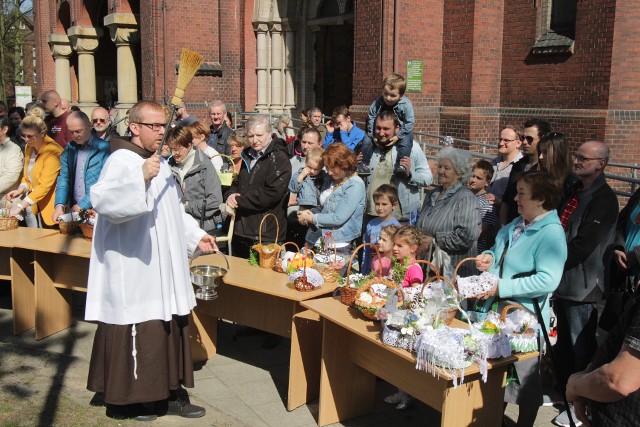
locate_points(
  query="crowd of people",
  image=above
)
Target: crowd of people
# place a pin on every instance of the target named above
(539, 216)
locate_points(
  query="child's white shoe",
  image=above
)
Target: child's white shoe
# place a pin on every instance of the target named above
(394, 399)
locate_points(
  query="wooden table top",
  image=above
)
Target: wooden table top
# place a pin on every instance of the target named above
(351, 319)
(240, 273)
(259, 279)
(22, 237)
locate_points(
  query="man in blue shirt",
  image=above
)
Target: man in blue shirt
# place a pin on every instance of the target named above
(80, 166)
(342, 129)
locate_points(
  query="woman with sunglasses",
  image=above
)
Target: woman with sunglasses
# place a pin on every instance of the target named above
(41, 169)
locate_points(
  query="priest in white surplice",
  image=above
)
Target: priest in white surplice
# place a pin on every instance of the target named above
(139, 288)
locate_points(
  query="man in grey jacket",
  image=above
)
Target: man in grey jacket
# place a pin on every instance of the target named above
(588, 213)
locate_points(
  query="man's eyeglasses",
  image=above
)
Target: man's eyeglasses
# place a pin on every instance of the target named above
(25, 136)
(79, 131)
(506, 140)
(581, 159)
(153, 126)
(100, 121)
(529, 139)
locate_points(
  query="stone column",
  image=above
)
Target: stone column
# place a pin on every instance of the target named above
(290, 67)
(124, 32)
(61, 50)
(85, 41)
(261, 65)
(275, 105)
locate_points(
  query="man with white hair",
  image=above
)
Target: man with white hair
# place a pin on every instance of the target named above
(102, 124)
(261, 188)
(220, 132)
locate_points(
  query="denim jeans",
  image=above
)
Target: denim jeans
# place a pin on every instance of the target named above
(31, 220)
(576, 345)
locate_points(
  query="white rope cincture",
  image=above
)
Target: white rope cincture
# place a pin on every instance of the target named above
(134, 353)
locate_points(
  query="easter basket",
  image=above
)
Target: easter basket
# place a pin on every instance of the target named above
(348, 292)
(267, 254)
(523, 326)
(442, 349)
(7, 222)
(373, 293)
(68, 224)
(226, 175)
(86, 226)
(283, 262)
(401, 327)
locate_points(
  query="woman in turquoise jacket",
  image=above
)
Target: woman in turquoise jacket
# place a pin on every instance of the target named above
(528, 256)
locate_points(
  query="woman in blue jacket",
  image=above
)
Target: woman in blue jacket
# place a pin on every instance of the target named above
(341, 201)
(528, 257)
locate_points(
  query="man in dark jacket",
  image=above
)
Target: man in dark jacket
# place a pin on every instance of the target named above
(261, 188)
(588, 212)
(220, 132)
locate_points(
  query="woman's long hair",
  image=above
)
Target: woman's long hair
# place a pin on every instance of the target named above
(557, 157)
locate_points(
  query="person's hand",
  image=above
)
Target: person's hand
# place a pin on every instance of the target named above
(15, 193)
(151, 167)
(304, 173)
(580, 409)
(406, 163)
(329, 126)
(621, 258)
(57, 212)
(484, 261)
(16, 210)
(293, 200)
(305, 217)
(392, 141)
(76, 208)
(232, 200)
(490, 197)
(208, 244)
(359, 158)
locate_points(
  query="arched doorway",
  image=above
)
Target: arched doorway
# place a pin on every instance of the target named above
(334, 55)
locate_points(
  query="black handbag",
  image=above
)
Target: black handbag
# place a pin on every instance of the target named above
(616, 301)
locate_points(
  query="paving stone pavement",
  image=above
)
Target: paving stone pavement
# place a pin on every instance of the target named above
(244, 385)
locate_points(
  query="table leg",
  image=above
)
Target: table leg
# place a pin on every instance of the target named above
(53, 305)
(346, 390)
(305, 359)
(22, 290)
(203, 335)
(475, 402)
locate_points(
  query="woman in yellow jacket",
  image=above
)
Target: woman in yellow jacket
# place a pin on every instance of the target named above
(40, 173)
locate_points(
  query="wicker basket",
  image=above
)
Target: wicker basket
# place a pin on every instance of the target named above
(449, 314)
(8, 222)
(524, 341)
(278, 265)
(69, 227)
(347, 293)
(267, 254)
(369, 311)
(455, 271)
(226, 178)
(87, 230)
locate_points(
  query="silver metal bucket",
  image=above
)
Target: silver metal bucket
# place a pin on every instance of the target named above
(207, 277)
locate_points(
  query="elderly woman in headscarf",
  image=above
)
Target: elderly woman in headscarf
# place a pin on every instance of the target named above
(450, 212)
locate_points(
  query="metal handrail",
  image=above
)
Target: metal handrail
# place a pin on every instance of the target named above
(632, 180)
